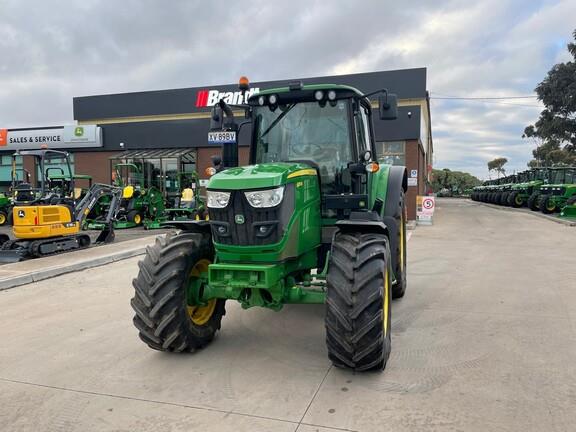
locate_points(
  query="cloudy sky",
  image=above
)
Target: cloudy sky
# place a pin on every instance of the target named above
(54, 50)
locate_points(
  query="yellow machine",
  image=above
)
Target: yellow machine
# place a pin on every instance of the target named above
(43, 221)
(46, 223)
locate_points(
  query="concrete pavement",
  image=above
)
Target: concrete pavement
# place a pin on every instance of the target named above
(485, 339)
(34, 270)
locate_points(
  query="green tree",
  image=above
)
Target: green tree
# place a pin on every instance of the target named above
(555, 129)
(498, 165)
(457, 182)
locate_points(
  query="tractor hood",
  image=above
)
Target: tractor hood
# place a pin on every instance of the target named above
(259, 176)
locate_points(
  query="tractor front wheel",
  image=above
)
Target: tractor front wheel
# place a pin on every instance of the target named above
(3, 217)
(169, 314)
(358, 302)
(547, 205)
(135, 217)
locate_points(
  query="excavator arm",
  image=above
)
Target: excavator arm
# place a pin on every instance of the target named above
(87, 203)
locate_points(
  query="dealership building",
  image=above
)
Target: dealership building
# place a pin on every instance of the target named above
(168, 128)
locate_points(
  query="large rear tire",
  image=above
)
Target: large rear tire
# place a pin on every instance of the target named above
(170, 277)
(532, 203)
(358, 302)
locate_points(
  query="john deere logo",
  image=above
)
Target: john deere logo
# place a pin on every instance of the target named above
(79, 131)
(239, 219)
(21, 213)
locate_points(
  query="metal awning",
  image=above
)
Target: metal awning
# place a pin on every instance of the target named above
(189, 155)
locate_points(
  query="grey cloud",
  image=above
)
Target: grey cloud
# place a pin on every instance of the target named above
(53, 51)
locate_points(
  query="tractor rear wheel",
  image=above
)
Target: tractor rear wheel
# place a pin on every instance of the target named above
(358, 302)
(532, 203)
(516, 200)
(170, 279)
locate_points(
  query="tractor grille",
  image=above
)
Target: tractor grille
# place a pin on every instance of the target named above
(261, 226)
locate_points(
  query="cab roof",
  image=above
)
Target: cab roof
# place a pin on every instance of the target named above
(308, 88)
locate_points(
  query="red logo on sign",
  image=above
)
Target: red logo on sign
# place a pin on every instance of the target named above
(3, 137)
(202, 98)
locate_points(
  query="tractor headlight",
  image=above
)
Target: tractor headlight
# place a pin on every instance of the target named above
(265, 198)
(218, 199)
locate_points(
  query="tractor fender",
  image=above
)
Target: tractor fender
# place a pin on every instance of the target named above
(397, 183)
(364, 222)
(193, 226)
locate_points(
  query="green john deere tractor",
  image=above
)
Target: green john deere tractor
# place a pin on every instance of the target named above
(5, 208)
(314, 219)
(529, 183)
(562, 186)
(141, 204)
(569, 210)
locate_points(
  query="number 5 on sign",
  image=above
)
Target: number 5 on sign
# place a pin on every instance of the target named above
(428, 205)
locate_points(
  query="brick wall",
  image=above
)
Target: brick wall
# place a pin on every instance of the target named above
(415, 160)
(95, 164)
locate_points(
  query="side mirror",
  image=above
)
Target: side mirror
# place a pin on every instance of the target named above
(216, 118)
(388, 106)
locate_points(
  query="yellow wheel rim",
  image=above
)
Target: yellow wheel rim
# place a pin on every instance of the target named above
(551, 206)
(386, 301)
(200, 315)
(2, 219)
(402, 242)
(137, 219)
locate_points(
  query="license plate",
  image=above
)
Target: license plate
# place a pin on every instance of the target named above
(222, 137)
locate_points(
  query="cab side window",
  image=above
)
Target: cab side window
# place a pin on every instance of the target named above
(362, 127)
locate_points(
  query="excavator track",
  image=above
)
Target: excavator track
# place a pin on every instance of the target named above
(57, 245)
(18, 250)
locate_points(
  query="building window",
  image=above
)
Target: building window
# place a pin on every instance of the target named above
(55, 166)
(6, 171)
(392, 152)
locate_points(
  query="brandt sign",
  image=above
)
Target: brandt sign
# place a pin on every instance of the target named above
(208, 98)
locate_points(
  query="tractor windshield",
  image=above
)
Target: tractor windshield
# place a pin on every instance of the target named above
(305, 131)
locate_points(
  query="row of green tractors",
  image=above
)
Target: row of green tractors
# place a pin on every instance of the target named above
(549, 190)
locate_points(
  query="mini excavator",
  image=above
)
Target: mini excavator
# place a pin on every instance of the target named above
(47, 222)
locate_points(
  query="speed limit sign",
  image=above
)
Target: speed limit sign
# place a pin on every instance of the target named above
(428, 203)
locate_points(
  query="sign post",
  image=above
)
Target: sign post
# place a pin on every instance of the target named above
(425, 210)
